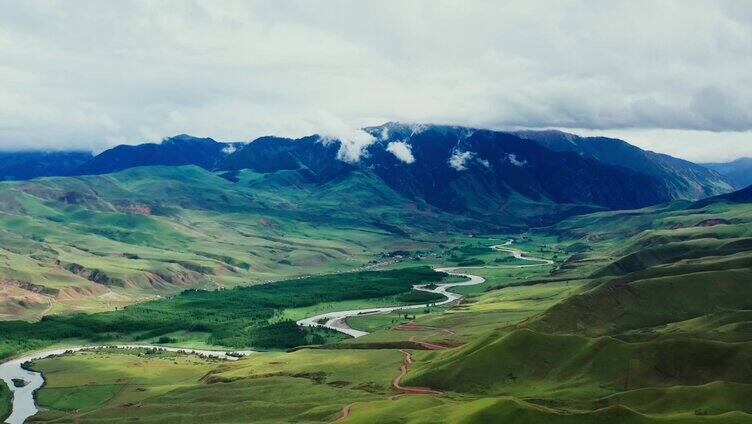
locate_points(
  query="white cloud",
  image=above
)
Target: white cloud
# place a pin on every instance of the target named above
(353, 141)
(80, 73)
(229, 149)
(384, 133)
(459, 159)
(513, 159)
(401, 151)
(484, 162)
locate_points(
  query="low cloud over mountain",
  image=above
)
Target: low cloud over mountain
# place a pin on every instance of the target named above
(254, 69)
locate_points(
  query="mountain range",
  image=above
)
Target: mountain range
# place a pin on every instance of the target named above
(510, 178)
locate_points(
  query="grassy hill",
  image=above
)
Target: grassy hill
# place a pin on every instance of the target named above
(685, 263)
(570, 367)
(426, 410)
(100, 242)
(659, 332)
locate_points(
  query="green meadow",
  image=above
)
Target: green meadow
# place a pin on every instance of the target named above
(304, 386)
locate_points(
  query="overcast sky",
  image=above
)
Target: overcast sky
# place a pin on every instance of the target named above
(670, 76)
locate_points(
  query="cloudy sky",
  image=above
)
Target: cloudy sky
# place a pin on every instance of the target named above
(672, 76)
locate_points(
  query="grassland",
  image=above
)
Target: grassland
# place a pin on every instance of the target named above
(474, 317)
(644, 318)
(507, 297)
(304, 386)
(85, 381)
(424, 410)
(655, 330)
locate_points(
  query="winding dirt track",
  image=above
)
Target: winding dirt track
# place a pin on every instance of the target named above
(410, 390)
(344, 413)
(428, 345)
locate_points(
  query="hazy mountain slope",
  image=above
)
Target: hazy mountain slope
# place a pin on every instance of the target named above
(179, 150)
(739, 172)
(740, 196)
(26, 165)
(683, 179)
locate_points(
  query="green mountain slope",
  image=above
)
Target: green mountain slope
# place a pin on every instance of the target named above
(661, 331)
(687, 262)
(98, 242)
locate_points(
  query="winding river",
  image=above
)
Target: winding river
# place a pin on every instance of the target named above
(23, 397)
(337, 320)
(24, 405)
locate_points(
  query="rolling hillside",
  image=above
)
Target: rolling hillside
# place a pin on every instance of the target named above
(660, 330)
(278, 207)
(98, 242)
(671, 264)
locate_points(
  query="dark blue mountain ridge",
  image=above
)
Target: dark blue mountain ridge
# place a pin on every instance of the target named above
(25, 165)
(312, 156)
(683, 179)
(179, 150)
(533, 176)
(497, 165)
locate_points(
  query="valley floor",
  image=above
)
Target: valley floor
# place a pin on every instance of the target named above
(647, 327)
